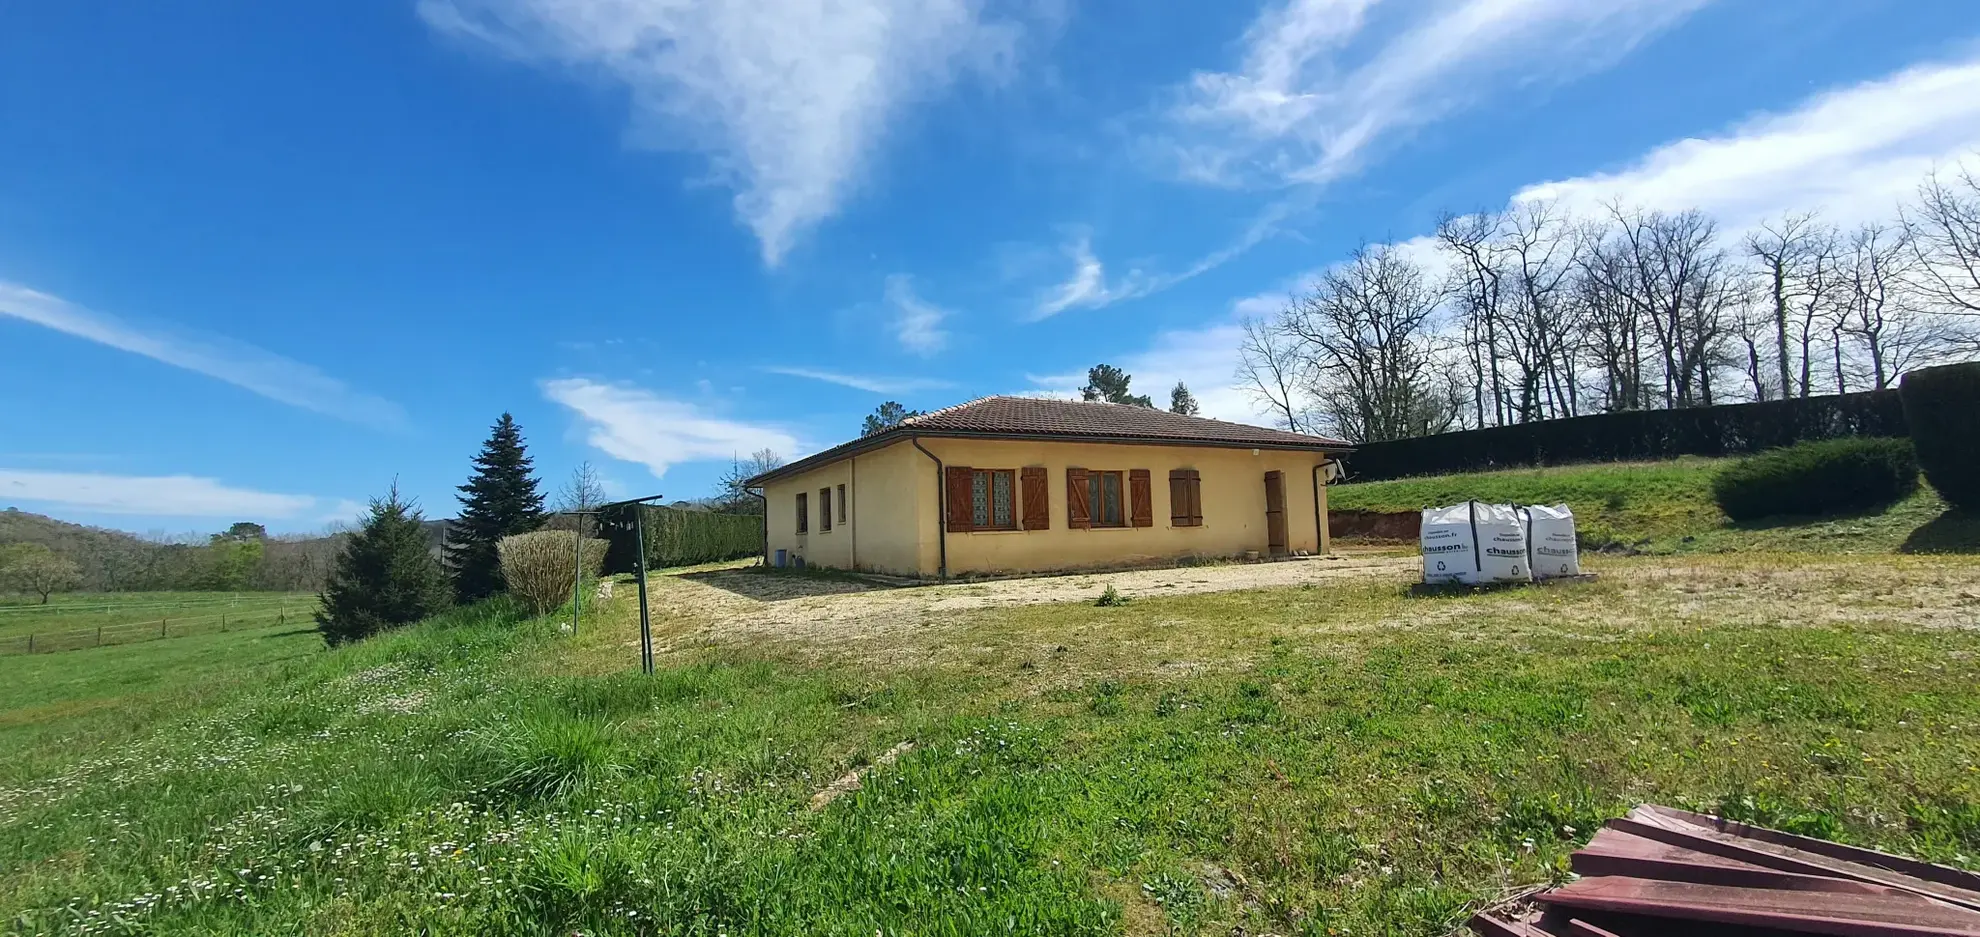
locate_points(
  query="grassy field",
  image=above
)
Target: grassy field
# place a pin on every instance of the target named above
(1339, 760)
(80, 619)
(1666, 507)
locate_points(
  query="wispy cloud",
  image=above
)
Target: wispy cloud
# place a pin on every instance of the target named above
(917, 322)
(1088, 288)
(153, 496)
(637, 425)
(1322, 82)
(868, 383)
(242, 365)
(788, 98)
(1850, 153)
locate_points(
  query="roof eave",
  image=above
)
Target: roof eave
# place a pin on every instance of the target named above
(884, 439)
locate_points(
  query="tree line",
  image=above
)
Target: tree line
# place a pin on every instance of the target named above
(1531, 313)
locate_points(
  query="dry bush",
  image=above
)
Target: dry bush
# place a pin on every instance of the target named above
(537, 566)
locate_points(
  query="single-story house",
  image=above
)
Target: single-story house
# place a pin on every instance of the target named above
(1022, 484)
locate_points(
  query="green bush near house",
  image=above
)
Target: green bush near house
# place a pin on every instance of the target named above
(1815, 478)
(1942, 407)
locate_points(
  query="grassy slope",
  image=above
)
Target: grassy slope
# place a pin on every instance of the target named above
(1666, 507)
(1302, 761)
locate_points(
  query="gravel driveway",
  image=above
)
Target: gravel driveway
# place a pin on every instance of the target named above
(741, 603)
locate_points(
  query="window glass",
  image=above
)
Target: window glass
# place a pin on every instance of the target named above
(979, 498)
(1104, 498)
(1000, 499)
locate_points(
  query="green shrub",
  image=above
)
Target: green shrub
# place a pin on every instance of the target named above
(1825, 477)
(1942, 406)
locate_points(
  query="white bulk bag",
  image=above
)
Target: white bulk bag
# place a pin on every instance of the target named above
(1550, 540)
(1474, 543)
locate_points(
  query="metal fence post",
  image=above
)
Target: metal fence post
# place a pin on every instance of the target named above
(30, 643)
(645, 626)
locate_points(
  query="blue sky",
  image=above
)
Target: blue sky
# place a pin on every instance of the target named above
(259, 260)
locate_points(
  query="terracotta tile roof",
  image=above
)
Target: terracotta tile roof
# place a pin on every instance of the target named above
(1047, 418)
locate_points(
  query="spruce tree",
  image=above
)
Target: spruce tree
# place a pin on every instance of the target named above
(384, 577)
(499, 501)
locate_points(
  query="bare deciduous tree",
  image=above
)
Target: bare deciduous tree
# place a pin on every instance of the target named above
(1369, 357)
(1269, 368)
(1944, 228)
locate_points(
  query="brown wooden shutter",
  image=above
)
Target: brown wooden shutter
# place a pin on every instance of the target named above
(1037, 503)
(1078, 514)
(1141, 496)
(1179, 497)
(961, 517)
(1195, 498)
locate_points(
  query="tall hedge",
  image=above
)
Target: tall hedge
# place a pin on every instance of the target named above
(682, 538)
(1942, 406)
(1827, 476)
(1728, 429)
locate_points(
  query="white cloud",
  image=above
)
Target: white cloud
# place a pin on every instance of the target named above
(243, 365)
(788, 98)
(636, 425)
(1088, 287)
(872, 385)
(155, 496)
(1851, 153)
(917, 322)
(1320, 84)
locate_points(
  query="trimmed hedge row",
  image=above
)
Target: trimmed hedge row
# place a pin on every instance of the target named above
(1828, 476)
(682, 538)
(1942, 405)
(1729, 429)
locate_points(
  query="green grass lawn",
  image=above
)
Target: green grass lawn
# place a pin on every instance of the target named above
(1667, 507)
(1338, 760)
(73, 620)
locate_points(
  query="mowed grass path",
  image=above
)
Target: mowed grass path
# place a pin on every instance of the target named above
(74, 620)
(1667, 507)
(1341, 760)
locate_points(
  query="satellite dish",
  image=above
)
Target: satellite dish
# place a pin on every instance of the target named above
(1335, 473)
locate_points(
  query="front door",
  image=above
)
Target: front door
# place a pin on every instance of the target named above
(1275, 511)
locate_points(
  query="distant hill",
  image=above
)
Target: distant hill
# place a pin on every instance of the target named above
(117, 561)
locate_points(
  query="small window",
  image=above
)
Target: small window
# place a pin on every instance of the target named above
(824, 509)
(803, 513)
(993, 499)
(842, 504)
(1103, 497)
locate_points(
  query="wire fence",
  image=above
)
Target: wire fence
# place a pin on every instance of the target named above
(190, 619)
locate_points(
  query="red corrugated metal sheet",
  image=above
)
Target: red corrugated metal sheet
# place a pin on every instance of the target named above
(1666, 871)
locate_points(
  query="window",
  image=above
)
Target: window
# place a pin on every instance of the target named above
(992, 493)
(803, 513)
(982, 499)
(1185, 498)
(1103, 496)
(842, 504)
(1109, 499)
(824, 509)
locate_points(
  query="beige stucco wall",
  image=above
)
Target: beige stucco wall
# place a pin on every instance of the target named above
(880, 533)
(896, 524)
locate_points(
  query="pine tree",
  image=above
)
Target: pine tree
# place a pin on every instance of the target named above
(499, 501)
(887, 416)
(384, 576)
(1182, 401)
(1109, 384)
